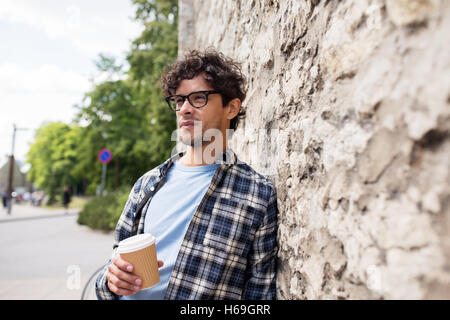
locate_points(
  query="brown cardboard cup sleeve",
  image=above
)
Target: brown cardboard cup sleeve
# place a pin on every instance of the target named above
(140, 251)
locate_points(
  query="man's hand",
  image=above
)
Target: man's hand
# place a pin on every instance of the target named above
(120, 278)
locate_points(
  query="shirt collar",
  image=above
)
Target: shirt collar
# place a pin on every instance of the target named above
(227, 158)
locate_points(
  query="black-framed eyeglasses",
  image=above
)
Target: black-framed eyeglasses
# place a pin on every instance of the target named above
(197, 99)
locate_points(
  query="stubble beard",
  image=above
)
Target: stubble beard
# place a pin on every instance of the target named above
(191, 141)
(195, 140)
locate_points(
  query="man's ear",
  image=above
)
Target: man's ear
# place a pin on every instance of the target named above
(233, 108)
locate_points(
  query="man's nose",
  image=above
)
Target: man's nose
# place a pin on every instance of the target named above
(186, 107)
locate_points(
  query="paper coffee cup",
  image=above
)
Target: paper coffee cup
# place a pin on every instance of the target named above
(140, 251)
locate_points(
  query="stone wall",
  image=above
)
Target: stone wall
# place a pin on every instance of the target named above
(348, 112)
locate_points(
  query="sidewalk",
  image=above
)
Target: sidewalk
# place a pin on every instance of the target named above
(27, 212)
(47, 255)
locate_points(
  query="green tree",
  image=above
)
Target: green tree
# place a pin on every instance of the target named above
(151, 53)
(130, 117)
(114, 121)
(52, 156)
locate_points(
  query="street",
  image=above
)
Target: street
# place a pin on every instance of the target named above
(46, 255)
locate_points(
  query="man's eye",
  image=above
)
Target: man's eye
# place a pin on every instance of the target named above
(198, 97)
(179, 100)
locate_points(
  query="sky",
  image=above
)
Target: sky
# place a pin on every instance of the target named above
(47, 54)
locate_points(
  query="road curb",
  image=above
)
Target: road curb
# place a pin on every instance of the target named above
(56, 215)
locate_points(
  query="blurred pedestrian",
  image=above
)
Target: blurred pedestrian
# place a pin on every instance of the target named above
(66, 198)
(4, 198)
(9, 200)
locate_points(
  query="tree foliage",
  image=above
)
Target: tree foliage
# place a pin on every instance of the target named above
(150, 54)
(126, 114)
(52, 156)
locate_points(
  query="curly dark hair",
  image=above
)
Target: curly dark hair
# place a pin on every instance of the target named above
(222, 73)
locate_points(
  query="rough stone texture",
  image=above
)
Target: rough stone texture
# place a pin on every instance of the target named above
(348, 112)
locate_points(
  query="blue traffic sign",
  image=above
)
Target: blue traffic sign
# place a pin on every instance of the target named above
(105, 156)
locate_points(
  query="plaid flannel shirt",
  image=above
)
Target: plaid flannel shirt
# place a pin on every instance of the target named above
(230, 248)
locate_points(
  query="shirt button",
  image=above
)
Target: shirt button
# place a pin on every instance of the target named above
(152, 189)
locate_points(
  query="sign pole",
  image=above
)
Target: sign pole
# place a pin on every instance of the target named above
(104, 156)
(103, 178)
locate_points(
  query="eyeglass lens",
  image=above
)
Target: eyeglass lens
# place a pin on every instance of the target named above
(196, 99)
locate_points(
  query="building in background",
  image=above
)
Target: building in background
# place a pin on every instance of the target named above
(20, 183)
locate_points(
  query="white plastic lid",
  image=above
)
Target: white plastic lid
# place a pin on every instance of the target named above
(135, 243)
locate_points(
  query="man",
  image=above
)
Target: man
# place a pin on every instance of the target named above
(214, 217)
